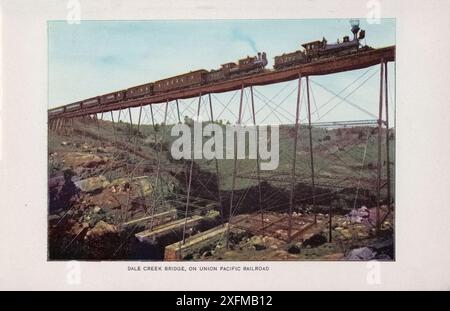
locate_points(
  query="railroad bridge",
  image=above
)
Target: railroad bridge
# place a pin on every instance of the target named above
(261, 221)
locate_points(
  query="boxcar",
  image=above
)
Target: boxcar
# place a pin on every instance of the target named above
(190, 79)
(140, 90)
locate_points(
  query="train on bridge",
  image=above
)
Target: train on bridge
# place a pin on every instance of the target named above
(312, 52)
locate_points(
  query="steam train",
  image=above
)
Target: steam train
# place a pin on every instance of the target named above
(312, 52)
(245, 66)
(321, 49)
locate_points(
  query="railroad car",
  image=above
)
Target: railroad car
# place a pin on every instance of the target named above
(289, 59)
(90, 102)
(140, 90)
(215, 75)
(72, 107)
(193, 78)
(113, 97)
(250, 64)
(246, 65)
(56, 111)
(220, 74)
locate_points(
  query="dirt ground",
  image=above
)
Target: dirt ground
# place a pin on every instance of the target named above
(101, 177)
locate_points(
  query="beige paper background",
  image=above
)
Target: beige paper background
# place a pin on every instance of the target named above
(422, 153)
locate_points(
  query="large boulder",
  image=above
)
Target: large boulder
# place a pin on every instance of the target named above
(83, 159)
(361, 254)
(257, 242)
(62, 191)
(315, 240)
(294, 249)
(92, 184)
(100, 230)
(143, 183)
(358, 215)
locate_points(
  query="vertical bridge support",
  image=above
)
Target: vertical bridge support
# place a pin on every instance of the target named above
(216, 163)
(233, 183)
(383, 95)
(311, 151)
(388, 168)
(190, 177)
(380, 127)
(257, 160)
(296, 128)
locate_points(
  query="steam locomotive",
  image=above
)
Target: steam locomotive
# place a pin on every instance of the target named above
(321, 49)
(313, 51)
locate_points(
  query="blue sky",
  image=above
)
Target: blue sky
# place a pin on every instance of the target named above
(97, 57)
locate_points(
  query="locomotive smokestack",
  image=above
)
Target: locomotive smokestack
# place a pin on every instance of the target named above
(264, 58)
(355, 28)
